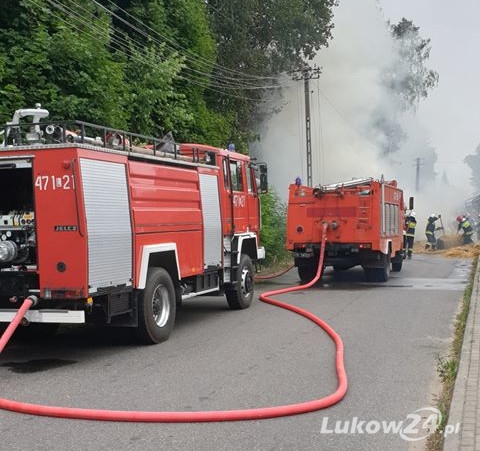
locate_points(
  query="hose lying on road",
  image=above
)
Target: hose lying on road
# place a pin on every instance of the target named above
(273, 276)
(208, 416)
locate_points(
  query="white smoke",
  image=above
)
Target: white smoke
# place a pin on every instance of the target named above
(344, 144)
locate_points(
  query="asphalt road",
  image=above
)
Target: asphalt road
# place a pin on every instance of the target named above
(265, 356)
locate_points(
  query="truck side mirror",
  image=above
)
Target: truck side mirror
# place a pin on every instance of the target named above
(410, 203)
(263, 187)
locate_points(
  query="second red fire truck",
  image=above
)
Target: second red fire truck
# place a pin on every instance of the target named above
(365, 222)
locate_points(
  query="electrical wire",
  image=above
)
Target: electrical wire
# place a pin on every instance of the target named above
(123, 46)
(126, 53)
(174, 45)
(219, 82)
(275, 275)
(241, 80)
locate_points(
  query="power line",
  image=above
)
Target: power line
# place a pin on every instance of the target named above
(123, 46)
(194, 57)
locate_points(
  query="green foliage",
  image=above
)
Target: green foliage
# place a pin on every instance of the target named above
(273, 233)
(59, 62)
(271, 35)
(169, 72)
(261, 38)
(407, 81)
(410, 78)
(156, 106)
(89, 84)
(151, 66)
(447, 367)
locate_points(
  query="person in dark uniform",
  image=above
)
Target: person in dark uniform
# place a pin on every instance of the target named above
(430, 231)
(467, 229)
(410, 224)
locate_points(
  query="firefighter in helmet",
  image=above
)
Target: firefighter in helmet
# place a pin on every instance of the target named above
(410, 224)
(467, 229)
(430, 231)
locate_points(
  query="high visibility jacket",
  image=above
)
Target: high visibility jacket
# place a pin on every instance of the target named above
(410, 224)
(466, 227)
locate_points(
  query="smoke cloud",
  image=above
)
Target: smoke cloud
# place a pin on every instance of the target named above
(345, 102)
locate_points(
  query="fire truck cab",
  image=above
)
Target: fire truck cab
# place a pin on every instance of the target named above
(101, 225)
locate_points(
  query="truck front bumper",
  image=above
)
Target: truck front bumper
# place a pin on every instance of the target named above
(45, 316)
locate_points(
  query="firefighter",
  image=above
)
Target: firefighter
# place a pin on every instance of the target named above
(410, 224)
(467, 229)
(430, 231)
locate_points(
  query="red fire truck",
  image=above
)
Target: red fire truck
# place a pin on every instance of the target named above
(365, 219)
(101, 225)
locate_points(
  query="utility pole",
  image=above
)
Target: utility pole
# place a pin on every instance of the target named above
(307, 74)
(418, 163)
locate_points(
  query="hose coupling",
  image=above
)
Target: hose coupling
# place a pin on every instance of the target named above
(34, 299)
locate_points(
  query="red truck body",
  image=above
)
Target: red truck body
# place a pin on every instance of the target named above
(365, 220)
(119, 231)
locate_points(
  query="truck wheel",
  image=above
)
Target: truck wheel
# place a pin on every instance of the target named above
(156, 307)
(379, 274)
(397, 266)
(241, 297)
(384, 273)
(397, 261)
(307, 273)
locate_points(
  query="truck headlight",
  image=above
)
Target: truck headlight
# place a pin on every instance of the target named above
(8, 251)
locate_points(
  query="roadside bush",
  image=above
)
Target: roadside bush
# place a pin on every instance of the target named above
(273, 233)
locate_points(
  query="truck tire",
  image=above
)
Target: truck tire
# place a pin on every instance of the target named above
(397, 261)
(242, 295)
(397, 267)
(379, 274)
(156, 308)
(307, 273)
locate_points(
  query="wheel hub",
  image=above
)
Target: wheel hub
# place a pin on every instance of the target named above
(247, 282)
(160, 306)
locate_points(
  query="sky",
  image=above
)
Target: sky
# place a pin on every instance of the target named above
(450, 114)
(349, 91)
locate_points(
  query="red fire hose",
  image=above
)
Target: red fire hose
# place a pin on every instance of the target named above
(27, 303)
(208, 416)
(273, 276)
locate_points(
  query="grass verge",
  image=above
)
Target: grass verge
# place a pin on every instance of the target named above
(447, 366)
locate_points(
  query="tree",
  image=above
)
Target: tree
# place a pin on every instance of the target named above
(172, 52)
(407, 81)
(83, 60)
(156, 106)
(62, 61)
(410, 79)
(256, 41)
(196, 68)
(270, 36)
(473, 161)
